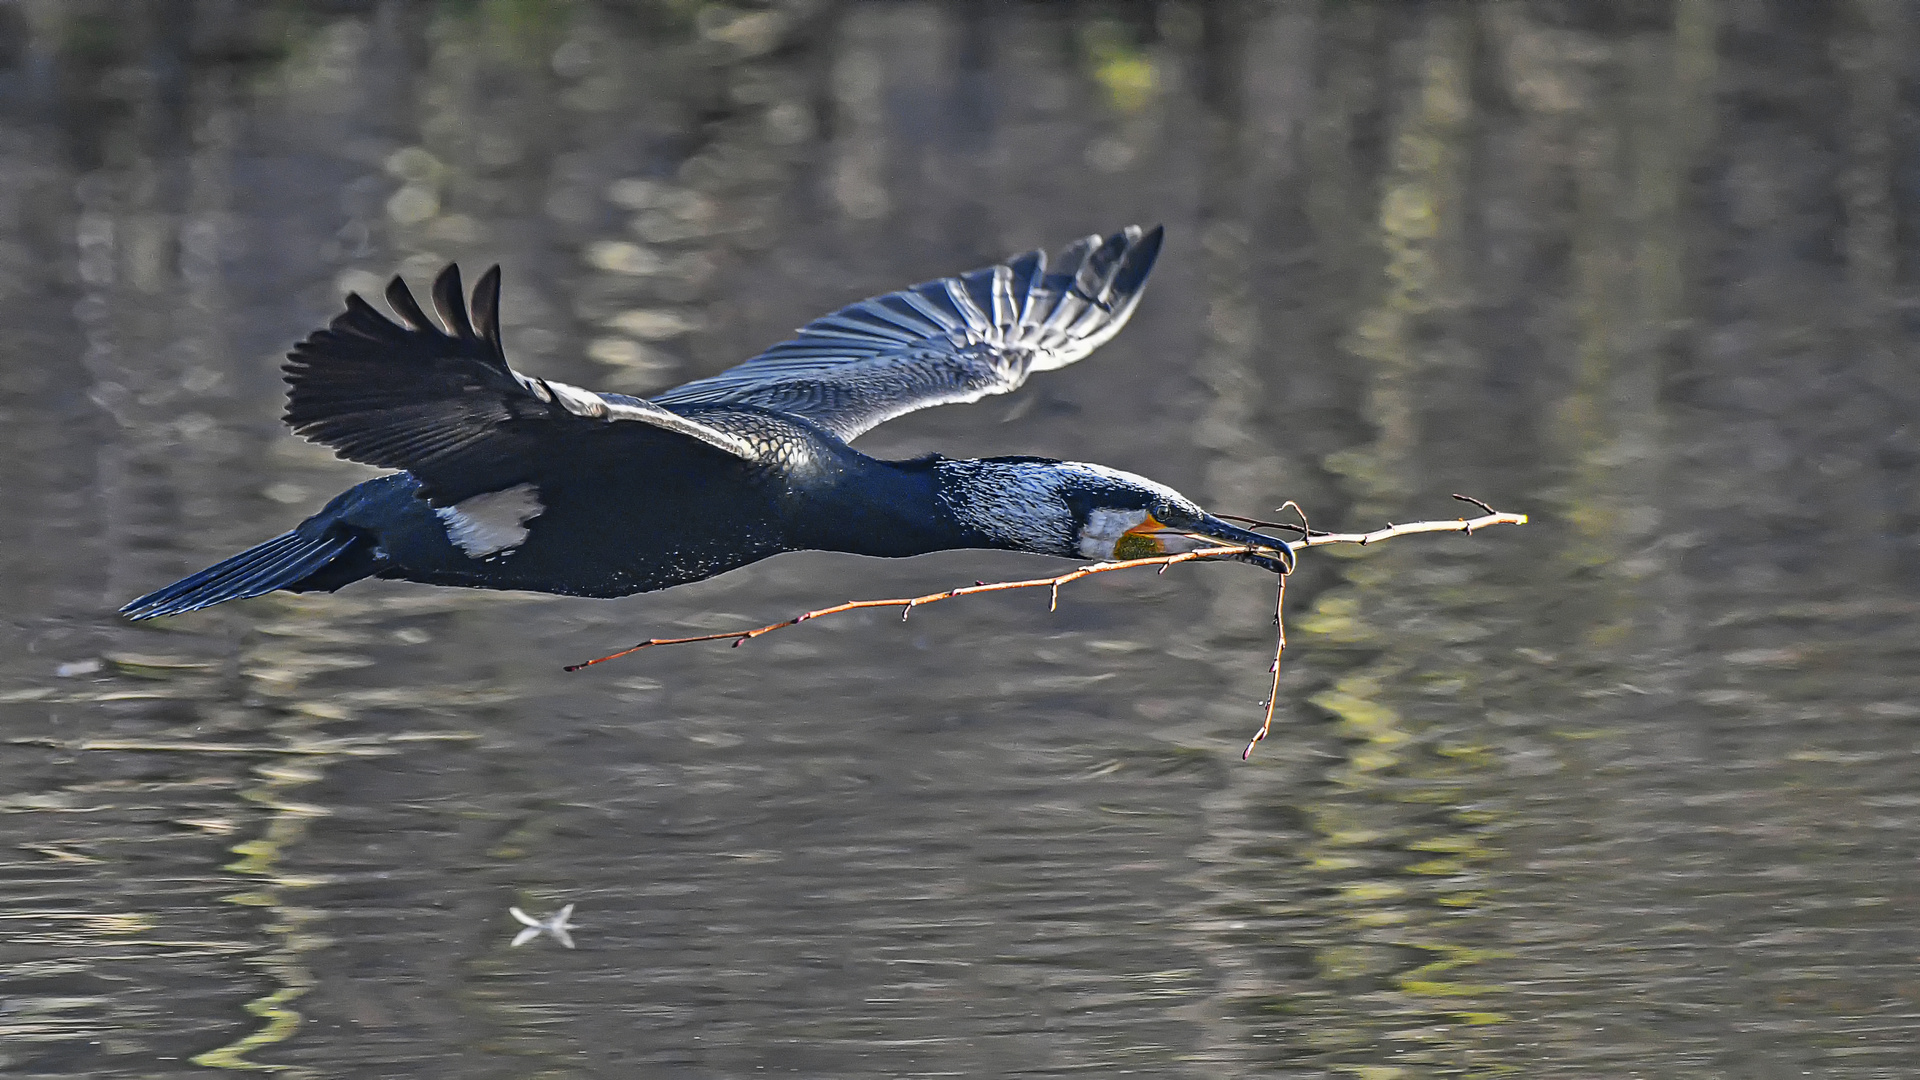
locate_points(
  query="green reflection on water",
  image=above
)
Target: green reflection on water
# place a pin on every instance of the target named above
(1123, 70)
(1401, 861)
(262, 859)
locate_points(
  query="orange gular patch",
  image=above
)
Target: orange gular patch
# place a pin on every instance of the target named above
(1139, 541)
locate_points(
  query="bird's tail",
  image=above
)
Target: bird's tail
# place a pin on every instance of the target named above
(283, 561)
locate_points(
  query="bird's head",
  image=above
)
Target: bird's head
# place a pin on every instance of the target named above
(1086, 511)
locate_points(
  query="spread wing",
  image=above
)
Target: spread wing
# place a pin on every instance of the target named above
(953, 340)
(443, 404)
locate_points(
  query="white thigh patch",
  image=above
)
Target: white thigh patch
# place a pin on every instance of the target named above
(492, 523)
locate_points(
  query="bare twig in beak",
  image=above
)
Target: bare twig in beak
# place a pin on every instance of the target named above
(741, 637)
(1212, 549)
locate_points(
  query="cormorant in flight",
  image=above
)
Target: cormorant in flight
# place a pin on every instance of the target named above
(513, 482)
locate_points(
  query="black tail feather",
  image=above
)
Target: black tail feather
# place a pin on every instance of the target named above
(282, 561)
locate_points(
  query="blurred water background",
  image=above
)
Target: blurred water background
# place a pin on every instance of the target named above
(1628, 792)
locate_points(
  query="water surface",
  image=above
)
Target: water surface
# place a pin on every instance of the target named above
(1629, 791)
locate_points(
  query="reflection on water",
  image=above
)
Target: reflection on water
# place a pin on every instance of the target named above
(1627, 791)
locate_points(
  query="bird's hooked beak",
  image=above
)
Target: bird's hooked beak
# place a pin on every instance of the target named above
(1155, 537)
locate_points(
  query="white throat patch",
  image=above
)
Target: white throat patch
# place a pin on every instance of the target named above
(1103, 530)
(490, 524)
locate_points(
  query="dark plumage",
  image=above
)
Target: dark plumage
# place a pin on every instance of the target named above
(514, 482)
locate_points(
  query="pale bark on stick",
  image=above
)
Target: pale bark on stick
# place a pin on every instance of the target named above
(1309, 539)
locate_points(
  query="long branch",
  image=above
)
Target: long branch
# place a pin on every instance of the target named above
(908, 603)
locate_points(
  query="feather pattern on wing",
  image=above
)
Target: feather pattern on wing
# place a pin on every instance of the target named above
(443, 404)
(953, 340)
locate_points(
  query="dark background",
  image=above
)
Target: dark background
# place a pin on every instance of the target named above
(1629, 791)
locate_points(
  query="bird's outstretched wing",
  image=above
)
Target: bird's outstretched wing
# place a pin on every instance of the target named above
(443, 404)
(953, 340)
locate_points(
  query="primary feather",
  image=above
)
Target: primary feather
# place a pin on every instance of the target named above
(953, 340)
(443, 404)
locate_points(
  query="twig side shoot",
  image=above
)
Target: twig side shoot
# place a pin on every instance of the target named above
(1308, 538)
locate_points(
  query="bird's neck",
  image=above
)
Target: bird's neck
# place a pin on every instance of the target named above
(900, 508)
(1012, 503)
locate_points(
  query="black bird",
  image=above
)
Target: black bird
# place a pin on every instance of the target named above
(514, 482)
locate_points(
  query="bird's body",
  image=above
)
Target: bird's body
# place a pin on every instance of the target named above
(513, 482)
